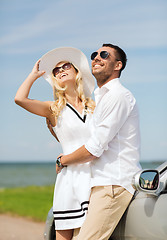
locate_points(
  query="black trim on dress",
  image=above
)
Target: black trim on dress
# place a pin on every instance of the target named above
(85, 112)
(69, 217)
(70, 214)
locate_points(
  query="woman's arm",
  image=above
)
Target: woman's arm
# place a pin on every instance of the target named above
(49, 125)
(34, 106)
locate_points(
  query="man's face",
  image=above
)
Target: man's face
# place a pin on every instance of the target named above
(105, 69)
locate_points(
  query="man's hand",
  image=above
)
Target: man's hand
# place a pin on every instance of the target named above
(51, 129)
(59, 168)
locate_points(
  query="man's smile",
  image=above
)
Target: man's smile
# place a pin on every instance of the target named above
(97, 65)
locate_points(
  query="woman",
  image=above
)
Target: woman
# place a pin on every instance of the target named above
(67, 70)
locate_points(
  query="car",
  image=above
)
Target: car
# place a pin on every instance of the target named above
(146, 215)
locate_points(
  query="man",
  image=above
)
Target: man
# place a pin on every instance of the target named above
(113, 147)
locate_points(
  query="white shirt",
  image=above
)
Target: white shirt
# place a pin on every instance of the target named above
(115, 136)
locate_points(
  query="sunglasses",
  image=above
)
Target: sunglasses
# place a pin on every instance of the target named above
(103, 54)
(56, 70)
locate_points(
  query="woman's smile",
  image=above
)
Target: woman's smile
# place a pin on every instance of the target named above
(63, 75)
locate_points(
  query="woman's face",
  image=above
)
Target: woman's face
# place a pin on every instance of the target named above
(65, 73)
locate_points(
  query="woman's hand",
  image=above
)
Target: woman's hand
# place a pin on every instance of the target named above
(35, 73)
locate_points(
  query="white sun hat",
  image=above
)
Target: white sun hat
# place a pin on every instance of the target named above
(72, 55)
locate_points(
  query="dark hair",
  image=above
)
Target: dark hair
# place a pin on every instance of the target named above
(121, 55)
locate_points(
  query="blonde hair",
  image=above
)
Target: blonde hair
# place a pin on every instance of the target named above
(60, 99)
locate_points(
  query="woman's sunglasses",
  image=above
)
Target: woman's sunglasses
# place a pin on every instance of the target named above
(103, 54)
(56, 70)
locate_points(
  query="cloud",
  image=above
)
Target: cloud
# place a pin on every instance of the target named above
(33, 28)
(129, 24)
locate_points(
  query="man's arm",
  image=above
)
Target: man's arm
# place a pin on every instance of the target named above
(107, 126)
(81, 155)
(113, 115)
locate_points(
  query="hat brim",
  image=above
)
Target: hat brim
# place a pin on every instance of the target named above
(72, 55)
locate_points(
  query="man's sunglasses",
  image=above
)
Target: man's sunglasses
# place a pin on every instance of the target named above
(103, 54)
(56, 70)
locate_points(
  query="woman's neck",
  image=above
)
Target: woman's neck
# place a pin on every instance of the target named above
(73, 100)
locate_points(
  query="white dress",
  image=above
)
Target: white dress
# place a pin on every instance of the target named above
(72, 188)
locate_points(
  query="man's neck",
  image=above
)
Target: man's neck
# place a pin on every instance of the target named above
(108, 80)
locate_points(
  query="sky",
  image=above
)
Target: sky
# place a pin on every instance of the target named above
(31, 28)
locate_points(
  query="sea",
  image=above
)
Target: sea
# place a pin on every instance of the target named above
(21, 174)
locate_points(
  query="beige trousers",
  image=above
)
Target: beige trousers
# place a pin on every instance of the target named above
(106, 207)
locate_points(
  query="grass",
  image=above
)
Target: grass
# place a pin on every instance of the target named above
(33, 202)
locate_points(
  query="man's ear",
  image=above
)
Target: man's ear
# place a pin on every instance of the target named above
(118, 65)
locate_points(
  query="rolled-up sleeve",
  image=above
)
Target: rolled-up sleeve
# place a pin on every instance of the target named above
(110, 115)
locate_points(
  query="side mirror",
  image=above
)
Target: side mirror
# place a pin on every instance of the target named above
(147, 181)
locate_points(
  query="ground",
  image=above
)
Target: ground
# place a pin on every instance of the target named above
(18, 228)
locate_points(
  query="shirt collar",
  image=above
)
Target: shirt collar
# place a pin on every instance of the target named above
(107, 86)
